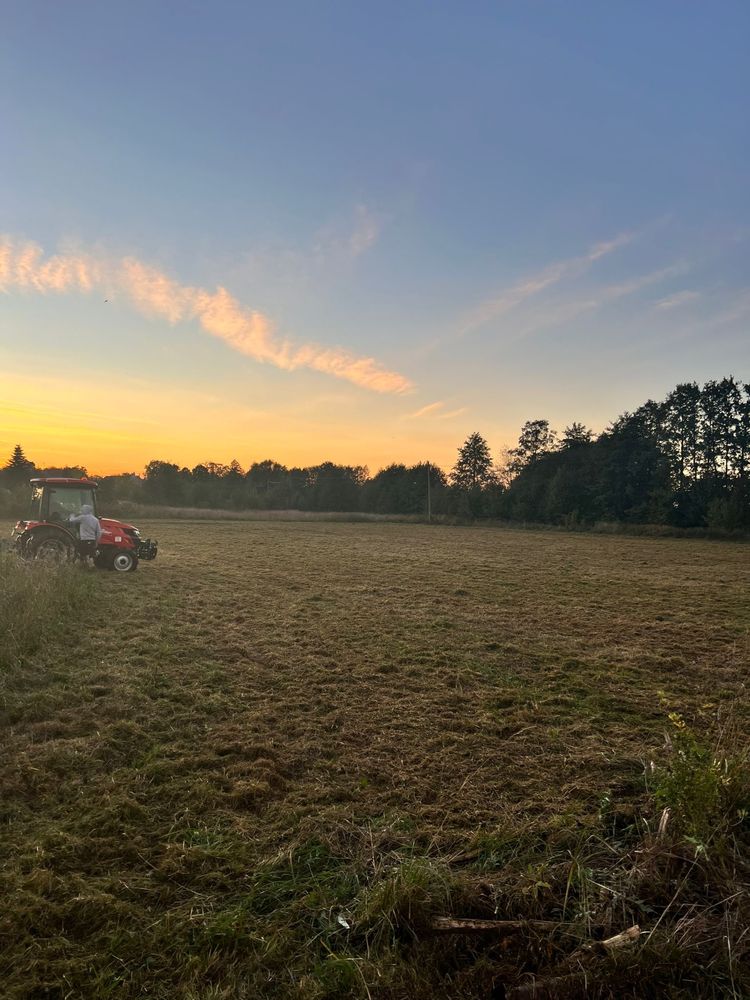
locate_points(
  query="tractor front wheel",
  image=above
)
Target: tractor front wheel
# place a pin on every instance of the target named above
(51, 548)
(125, 562)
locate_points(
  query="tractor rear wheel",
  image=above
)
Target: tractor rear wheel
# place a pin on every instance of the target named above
(51, 548)
(125, 562)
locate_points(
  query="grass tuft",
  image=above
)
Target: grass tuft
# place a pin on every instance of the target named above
(37, 603)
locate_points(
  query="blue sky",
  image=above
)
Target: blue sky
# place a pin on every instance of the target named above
(516, 210)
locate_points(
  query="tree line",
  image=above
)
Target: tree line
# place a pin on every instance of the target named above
(684, 461)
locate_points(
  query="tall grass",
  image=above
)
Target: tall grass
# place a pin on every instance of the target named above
(35, 598)
(129, 510)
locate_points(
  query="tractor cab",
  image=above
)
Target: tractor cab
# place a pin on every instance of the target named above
(57, 500)
(48, 533)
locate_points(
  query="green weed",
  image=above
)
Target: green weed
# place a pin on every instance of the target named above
(706, 791)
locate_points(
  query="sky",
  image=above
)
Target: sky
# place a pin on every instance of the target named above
(360, 232)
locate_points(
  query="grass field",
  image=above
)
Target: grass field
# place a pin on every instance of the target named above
(261, 765)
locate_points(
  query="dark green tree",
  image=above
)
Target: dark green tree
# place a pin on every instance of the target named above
(473, 469)
(575, 436)
(336, 487)
(271, 486)
(632, 472)
(17, 469)
(536, 439)
(721, 403)
(399, 489)
(681, 427)
(65, 471)
(166, 483)
(264, 476)
(743, 435)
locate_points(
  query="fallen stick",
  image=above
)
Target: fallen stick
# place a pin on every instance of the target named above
(662, 829)
(622, 940)
(464, 925)
(573, 984)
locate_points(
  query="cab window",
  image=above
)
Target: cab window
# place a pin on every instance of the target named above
(66, 502)
(35, 506)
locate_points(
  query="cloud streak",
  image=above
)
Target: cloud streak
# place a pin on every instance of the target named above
(23, 267)
(431, 408)
(564, 311)
(573, 267)
(678, 299)
(436, 411)
(366, 231)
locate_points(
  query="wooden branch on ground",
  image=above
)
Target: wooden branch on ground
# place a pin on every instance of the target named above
(571, 984)
(623, 940)
(471, 925)
(463, 925)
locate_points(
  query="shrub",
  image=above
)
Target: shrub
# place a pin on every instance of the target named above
(706, 790)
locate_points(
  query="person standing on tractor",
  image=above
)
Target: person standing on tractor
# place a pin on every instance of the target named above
(89, 533)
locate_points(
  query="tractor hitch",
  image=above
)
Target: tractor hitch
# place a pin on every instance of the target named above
(147, 549)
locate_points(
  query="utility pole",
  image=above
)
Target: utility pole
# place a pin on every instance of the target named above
(429, 497)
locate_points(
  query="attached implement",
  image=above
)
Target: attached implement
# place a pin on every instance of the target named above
(47, 533)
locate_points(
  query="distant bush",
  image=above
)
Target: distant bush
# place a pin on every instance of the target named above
(726, 514)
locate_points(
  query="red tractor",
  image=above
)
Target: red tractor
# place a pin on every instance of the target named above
(47, 534)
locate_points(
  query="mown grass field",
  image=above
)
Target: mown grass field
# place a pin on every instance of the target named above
(259, 766)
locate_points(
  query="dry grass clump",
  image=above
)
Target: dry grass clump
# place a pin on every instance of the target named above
(265, 762)
(36, 600)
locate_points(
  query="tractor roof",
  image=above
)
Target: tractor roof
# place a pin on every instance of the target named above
(64, 482)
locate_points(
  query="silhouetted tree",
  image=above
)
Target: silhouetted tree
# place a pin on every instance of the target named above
(18, 469)
(536, 439)
(335, 487)
(575, 436)
(681, 423)
(64, 471)
(633, 481)
(165, 483)
(473, 469)
(399, 489)
(683, 461)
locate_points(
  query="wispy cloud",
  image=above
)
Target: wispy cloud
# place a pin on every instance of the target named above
(346, 239)
(678, 299)
(427, 410)
(23, 267)
(510, 298)
(611, 292)
(738, 310)
(436, 411)
(563, 311)
(365, 232)
(286, 271)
